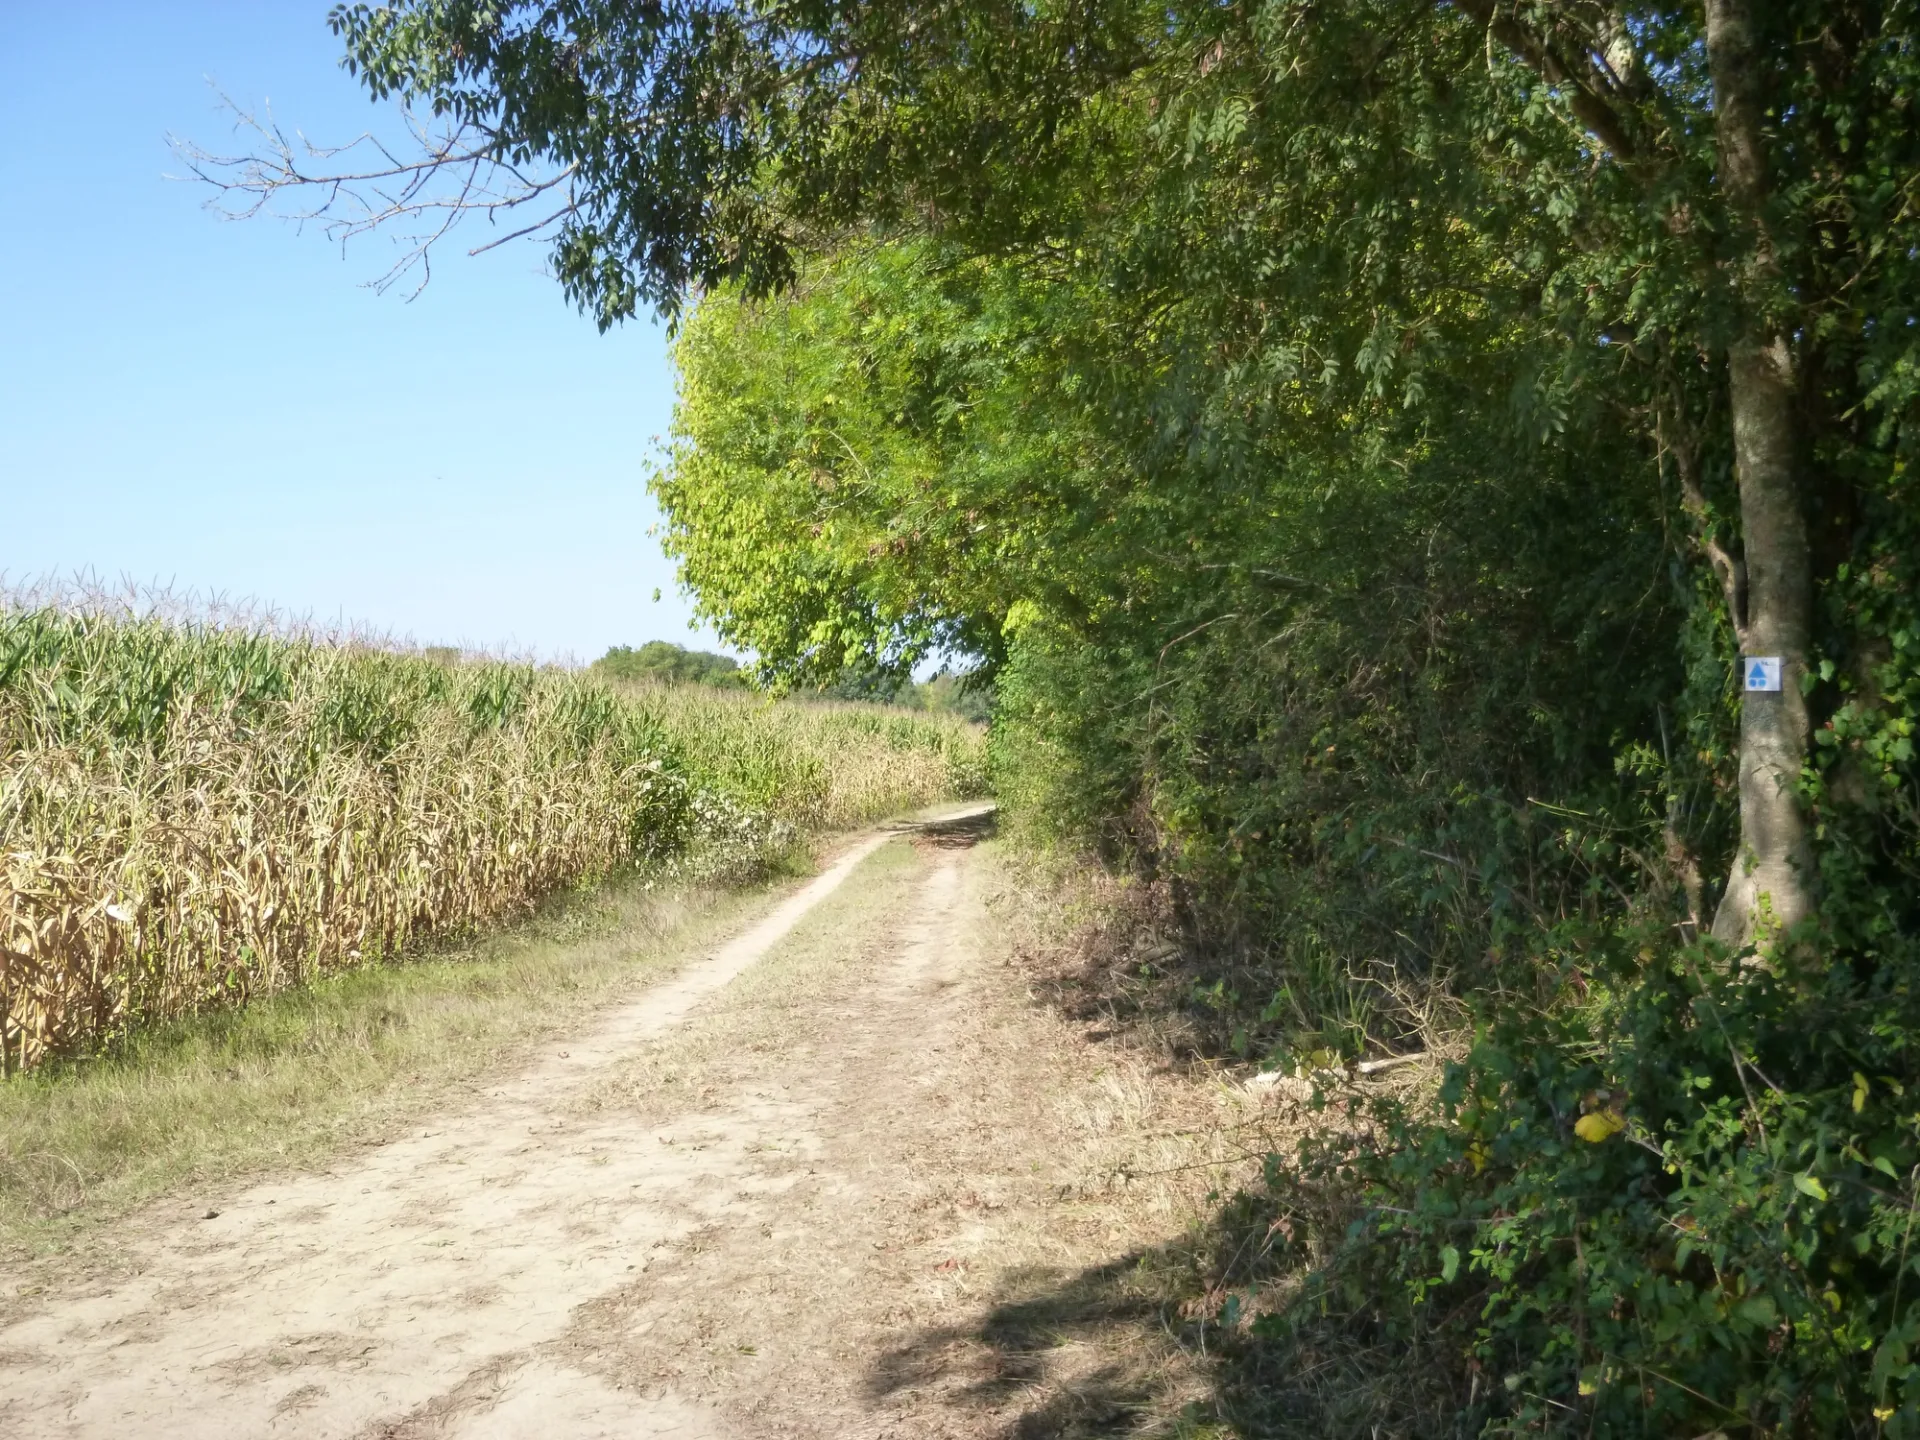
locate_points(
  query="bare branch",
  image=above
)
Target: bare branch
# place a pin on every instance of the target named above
(1593, 87)
(1675, 439)
(451, 170)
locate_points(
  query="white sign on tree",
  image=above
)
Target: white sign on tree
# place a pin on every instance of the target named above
(1763, 672)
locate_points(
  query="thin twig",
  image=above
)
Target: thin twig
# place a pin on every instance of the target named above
(456, 169)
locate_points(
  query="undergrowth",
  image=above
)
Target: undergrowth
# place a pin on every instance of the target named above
(1655, 1186)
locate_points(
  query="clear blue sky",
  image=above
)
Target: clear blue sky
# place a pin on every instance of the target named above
(224, 407)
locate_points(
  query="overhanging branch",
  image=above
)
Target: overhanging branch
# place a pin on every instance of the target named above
(1595, 91)
(455, 170)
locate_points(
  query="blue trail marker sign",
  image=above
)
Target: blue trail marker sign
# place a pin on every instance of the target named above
(1763, 672)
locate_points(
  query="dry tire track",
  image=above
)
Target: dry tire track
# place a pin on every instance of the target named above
(410, 1290)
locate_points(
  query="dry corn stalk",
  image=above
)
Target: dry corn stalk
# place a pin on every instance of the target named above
(191, 816)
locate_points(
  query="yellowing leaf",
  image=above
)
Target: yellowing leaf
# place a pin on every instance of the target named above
(1807, 1185)
(1860, 1089)
(1600, 1125)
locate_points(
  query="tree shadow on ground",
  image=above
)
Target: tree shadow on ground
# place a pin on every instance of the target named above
(1059, 1355)
(961, 833)
(1149, 1346)
(1243, 1327)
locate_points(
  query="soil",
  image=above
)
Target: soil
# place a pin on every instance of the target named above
(843, 1177)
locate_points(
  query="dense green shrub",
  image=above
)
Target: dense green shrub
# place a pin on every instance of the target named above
(1669, 1191)
(669, 664)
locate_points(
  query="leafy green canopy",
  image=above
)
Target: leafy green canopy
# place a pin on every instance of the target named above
(664, 661)
(704, 140)
(853, 484)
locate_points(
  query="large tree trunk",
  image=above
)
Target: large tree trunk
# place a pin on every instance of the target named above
(1772, 879)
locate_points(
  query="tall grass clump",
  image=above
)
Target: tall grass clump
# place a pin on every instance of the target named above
(195, 812)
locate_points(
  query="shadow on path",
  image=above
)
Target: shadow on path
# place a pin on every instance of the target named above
(1135, 1348)
(1060, 1355)
(962, 832)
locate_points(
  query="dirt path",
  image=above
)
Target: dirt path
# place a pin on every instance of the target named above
(833, 1180)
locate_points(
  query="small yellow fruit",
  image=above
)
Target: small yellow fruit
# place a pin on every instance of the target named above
(1600, 1125)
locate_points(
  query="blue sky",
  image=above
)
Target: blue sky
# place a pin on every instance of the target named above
(224, 406)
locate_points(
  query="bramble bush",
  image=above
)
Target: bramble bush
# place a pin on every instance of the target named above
(1670, 1188)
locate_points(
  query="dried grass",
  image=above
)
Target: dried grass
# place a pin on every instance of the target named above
(1238, 1310)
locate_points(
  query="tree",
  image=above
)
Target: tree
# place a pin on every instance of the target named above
(1721, 198)
(1589, 52)
(663, 661)
(856, 483)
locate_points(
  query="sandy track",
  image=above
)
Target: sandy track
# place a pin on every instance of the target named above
(796, 1244)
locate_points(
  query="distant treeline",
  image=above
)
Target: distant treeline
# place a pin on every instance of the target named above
(674, 664)
(665, 662)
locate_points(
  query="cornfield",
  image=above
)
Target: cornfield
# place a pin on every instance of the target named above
(193, 813)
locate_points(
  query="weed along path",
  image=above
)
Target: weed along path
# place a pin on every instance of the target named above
(830, 1180)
